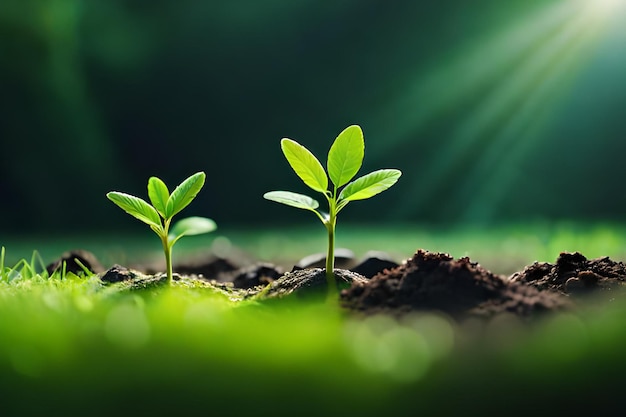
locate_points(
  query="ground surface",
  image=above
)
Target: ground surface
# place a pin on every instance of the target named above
(458, 337)
(427, 281)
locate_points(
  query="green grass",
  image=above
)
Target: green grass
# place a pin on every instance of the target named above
(72, 346)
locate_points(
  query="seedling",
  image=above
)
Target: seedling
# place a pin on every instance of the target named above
(164, 207)
(344, 161)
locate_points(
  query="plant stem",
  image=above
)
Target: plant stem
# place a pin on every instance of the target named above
(330, 257)
(167, 250)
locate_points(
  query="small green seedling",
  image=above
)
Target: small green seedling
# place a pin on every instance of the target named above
(164, 206)
(344, 161)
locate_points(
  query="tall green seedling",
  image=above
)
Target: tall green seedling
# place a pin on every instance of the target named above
(344, 161)
(164, 207)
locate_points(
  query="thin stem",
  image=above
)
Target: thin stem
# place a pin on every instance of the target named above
(330, 263)
(330, 256)
(167, 250)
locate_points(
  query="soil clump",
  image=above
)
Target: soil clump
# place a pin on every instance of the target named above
(574, 274)
(310, 281)
(436, 281)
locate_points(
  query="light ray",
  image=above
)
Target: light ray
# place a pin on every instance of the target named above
(522, 78)
(466, 71)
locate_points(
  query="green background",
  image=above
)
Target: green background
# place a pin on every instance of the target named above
(495, 111)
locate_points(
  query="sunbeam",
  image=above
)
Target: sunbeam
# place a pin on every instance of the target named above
(504, 94)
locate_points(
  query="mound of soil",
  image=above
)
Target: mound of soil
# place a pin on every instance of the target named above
(307, 281)
(435, 281)
(574, 274)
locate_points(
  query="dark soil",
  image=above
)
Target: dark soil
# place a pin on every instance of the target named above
(435, 281)
(376, 284)
(311, 281)
(574, 274)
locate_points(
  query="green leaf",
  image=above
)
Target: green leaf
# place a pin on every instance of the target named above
(159, 194)
(346, 155)
(369, 185)
(184, 194)
(292, 199)
(305, 165)
(192, 226)
(136, 207)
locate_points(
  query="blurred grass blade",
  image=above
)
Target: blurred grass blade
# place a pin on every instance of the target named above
(86, 270)
(37, 259)
(2, 254)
